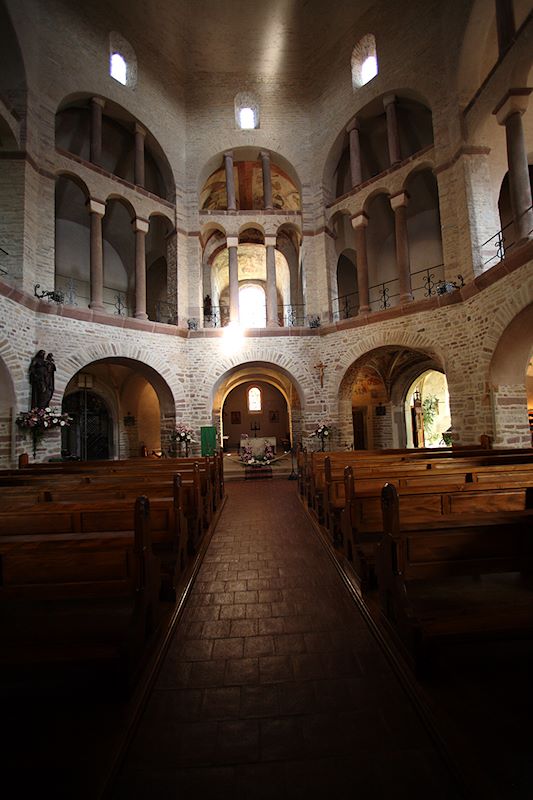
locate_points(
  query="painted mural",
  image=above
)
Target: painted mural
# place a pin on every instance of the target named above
(248, 177)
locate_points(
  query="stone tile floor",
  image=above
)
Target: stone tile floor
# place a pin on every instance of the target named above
(273, 685)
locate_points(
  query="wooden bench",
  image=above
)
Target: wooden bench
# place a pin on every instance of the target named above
(360, 526)
(456, 578)
(78, 600)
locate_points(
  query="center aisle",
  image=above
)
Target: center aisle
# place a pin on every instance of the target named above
(273, 685)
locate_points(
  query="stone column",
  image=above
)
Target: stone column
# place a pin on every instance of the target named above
(97, 104)
(509, 113)
(230, 181)
(233, 244)
(355, 152)
(505, 24)
(359, 224)
(393, 136)
(140, 134)
(97, 211)
(399, 206)
(271, 293)
(140, 226)
(267, 179)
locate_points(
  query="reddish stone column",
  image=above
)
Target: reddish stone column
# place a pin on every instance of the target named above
(271, 292)
(359, 224)
(393, 136)
(140, 135)
(267, 179)
(509, 113)
(399, 206)
(141, 227)
(230, 181)
(233, 243)
(97, 104)
(505, 24)
(355, 152)
(97, 211)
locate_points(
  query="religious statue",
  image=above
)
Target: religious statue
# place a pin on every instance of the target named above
(320, 367)
(41, 373)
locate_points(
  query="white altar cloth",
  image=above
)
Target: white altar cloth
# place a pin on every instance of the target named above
(258, 443)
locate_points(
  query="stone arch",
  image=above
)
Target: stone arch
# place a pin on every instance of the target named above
(8, 411)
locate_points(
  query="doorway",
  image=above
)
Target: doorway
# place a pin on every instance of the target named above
(90, 436)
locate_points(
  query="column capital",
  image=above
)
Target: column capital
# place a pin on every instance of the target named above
(138, 128)
(360, 220)
(264, 154)
(140, 224)
(270, 241)
(399, 200)
(514, 101)
(353, 125)
(95, 207)
(232, 241)
(388, 99)
(228, 154)
(98, 101)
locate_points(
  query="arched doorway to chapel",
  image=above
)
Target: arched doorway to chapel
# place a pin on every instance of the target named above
(121, 408)
(257, 400)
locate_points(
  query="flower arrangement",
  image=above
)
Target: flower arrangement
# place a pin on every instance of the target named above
(182, 435)
(248, 458)
(321, 432)
(39, 420)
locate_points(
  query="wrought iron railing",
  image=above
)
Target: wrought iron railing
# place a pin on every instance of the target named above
(502, 242)
(216, 316)
(384, 295)
(425, 282)
(165, 312)
(291, 315)
(345, 306)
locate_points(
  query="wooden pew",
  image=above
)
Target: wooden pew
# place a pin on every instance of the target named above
(74, 600)
(457, 578)
(360, 526)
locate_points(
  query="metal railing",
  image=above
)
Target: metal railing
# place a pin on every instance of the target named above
(502, 242)
(291, 315)
(345, 306)
(165, 312)
(216, 316)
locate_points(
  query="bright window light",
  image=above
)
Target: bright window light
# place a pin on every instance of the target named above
(369, 69)
(252, 307)
(118, 69)
(246, 118)
(254, 399)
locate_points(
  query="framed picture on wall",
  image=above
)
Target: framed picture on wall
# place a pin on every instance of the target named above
(235, 417)
(273, 416)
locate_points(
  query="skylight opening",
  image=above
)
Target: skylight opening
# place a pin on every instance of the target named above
(246, 118)
(118, 68)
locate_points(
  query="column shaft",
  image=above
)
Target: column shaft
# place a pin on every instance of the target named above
(230, 181)
(355, 155)
(233, 284)
(362, 268)
(141, 229)
(271, 293)
(519, 184)
(393, 136)
(140, 134)
(267, 180)
(96, 257)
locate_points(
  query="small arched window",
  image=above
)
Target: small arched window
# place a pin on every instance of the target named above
(122, 60)
(364, 61)
(254, 399)
(246, 111)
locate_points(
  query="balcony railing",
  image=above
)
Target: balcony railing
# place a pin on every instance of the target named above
(496, 248)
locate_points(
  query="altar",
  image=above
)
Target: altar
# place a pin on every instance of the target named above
(257, 444)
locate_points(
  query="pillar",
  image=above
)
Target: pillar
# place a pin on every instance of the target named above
(355, 152)
(233, 244)
(97, 104)
(509, 113)
(140, 226)
(140, 135)
(505, 24)
(97, 211)
(399, 206)
(267, 179)
(393, 136)
(271, 293)
(230, 181)
(359, 224)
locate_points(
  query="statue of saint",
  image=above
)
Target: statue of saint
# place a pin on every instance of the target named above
(42, 379)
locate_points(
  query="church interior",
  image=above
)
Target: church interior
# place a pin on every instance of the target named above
(284, 250)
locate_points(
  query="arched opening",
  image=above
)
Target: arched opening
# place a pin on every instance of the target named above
(7, 412)
(347, 303)
(427, 411)
(120, 409)
(384, 288)
(507, 226)
(119, 259)
(160, 307)
(424, 233)
(72, 241)
(252, 306)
